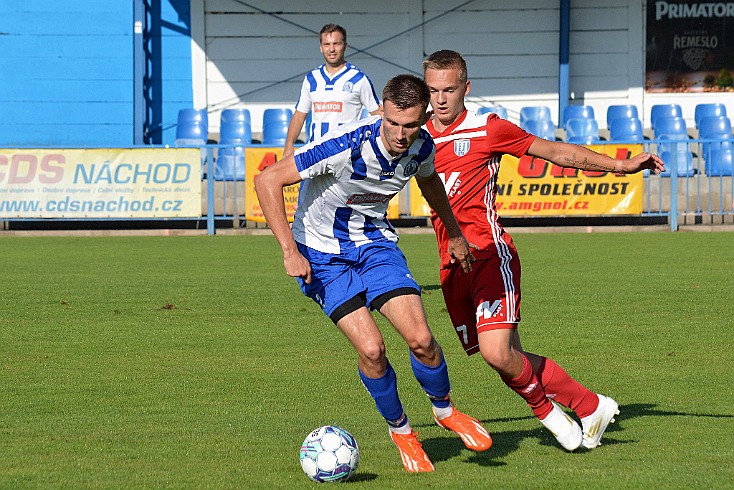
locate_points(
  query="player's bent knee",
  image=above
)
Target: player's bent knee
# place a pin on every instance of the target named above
(424, 347)
(373, 353)
(501, 360)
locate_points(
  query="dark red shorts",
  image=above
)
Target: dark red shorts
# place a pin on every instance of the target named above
(486, 298)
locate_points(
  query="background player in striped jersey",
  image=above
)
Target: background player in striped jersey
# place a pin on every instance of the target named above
(484, 305)
(334, 93)
(344, 252)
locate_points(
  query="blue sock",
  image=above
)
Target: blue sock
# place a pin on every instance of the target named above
(384, 391)
(434, 381)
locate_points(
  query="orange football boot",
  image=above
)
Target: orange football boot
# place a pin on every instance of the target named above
(475, 436)
(415, 460)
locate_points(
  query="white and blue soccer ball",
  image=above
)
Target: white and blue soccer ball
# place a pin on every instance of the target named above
(329, 454)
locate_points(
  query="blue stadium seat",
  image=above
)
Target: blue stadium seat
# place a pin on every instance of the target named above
(235, 126)
(673, 146)
(497, 109)
(664, 110)
(542, 128)
(195, 115)
(628, 130)
(577, 112)
(673, 149)
(670, 126)
(621, 112)
(582, 131)
(717, 128)
(275, 126)
(192, 124)
(230, 162)
(720, 162)
(708, 110)
(192, 129)
(239, 114)
(535, 113)
(234, 129)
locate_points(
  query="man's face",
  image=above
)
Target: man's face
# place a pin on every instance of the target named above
(333, 47)
(400, 128)
(447, 93)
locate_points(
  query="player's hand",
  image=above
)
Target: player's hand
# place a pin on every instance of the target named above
(643, 161)
(460, 251)
(296, 265)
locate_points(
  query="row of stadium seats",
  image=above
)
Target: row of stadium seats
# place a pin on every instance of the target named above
(235, 132)
(624, 125)
(581, 127)
(614, 112)
(235, 125)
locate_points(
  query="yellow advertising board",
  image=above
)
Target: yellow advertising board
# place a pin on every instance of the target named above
(100, 183)
(256, 160)
(534, 187)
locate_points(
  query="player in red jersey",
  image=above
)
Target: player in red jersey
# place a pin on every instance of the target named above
(484, 305)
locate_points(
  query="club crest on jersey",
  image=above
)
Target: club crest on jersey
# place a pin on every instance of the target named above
(347, 87)
(461, 147)
(411, 168)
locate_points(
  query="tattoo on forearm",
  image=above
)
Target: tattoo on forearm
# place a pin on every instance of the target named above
(585, 164)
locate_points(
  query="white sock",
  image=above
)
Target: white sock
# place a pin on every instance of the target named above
(403, 428)
(442, 413)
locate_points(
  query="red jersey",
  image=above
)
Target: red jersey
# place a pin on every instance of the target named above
(468, 155)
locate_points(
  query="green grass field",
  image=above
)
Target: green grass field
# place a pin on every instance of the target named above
(195, 362)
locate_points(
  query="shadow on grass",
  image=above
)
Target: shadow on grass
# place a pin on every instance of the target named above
(361, 477)
(505, 442)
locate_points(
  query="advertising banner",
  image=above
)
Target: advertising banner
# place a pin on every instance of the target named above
(690, 46)
(534, 187)
(100, 183)
(257, 160)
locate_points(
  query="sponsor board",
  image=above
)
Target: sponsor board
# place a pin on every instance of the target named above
(100, 183)
(534, 187)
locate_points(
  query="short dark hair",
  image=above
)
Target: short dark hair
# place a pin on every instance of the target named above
(446, 59)
(329, 28)
(406, 91)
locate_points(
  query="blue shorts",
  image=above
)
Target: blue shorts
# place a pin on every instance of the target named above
(368, 271)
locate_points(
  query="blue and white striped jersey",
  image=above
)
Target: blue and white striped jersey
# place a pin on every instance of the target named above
(348, 179)
(335, 100)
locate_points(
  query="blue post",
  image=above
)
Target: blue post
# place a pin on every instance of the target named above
(563, 59)
(210, 229)
(673, 215)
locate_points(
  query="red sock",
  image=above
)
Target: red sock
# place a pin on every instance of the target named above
(562, 388)
(529, 387)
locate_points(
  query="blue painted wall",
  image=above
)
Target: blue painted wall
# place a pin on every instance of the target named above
(168, 83)
(66, 71)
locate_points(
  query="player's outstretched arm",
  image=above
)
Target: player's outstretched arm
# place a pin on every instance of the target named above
(575, 156)
(269, 188)
(435, 195)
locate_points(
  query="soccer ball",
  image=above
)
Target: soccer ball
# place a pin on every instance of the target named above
(329, 454)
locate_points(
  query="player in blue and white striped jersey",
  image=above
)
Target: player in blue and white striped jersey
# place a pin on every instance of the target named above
(349, 178)
(334, 93)
(344, 252)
